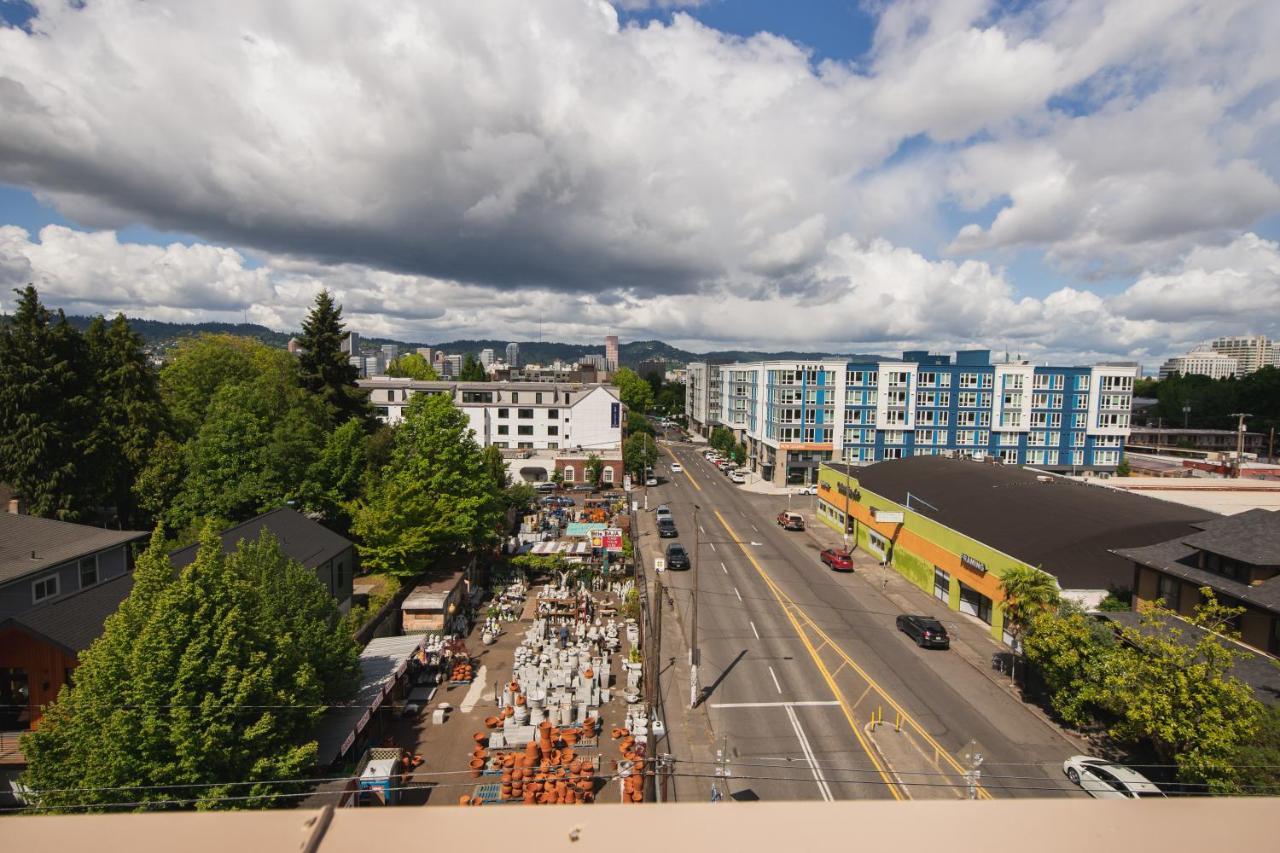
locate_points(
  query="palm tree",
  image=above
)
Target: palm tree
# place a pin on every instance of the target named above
(1028, 592)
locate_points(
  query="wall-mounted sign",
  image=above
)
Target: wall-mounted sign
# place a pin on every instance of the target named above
(613, 539)
(886, 517)
(659, 564)
(972, 563)
(615, 415)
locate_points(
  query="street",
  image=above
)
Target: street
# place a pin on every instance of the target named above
(797, 661)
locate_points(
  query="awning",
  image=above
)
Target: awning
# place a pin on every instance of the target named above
(381, 663)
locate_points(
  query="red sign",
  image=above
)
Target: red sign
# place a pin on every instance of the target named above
(612, 539)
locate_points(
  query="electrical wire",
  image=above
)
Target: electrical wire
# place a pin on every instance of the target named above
(985, 764)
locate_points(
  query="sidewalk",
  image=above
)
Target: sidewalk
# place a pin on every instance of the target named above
(970, 638)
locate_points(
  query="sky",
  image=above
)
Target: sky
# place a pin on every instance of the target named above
(1065, 180)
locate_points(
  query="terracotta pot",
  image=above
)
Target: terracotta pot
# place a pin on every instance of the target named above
(530, 798)
(508, 711)
(520, 699)
(480, 737)
(508, 760)
(464, 800)
(570, 797)
(491, 722)
(506, 779)
(589, 674)
(476, 801)
(585, 785)
(517, 774)
(515, 687)
(570, 738)
(560, 786)
(637, 797)
(575, 767)
(477, 765)
(544, 726)
(546, 765)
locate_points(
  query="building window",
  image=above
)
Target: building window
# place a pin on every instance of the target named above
(88, 571)
(503, 429)
(552, 414)
(43, 589)
(515, 396)
(477, 396)
(568, 473)
(553, 430)
(524, 414)
(504, 413)
(537, 397)
(381, 411)
(878, 544)
(606, 474)
(941, 584)
(524, 429)
(1169, 589)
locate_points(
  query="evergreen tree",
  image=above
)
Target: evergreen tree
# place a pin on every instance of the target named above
(131, 416)
(214, 676)
(47, 440)
(325, 369)
(472, 371)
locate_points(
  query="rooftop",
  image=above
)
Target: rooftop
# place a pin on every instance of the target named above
(309, 542)
(1251, 537)
(74, 622)
(1066, 528)
(382, 660)
(29, 544)
(1215, 494)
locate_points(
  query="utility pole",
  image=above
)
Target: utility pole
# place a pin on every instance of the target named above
(1240, 416)
(1271, 446)
(695, 690)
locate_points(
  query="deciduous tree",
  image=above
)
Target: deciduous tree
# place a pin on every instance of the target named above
(411, 365)
(634, 392)
(639, 454)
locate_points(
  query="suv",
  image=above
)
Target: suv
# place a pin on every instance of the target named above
(662, 512)
(677, 556)
(790, 521)
(667, 528)
(926, 631)
(837, 560)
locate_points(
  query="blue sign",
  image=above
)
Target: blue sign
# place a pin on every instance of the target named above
(615, 415)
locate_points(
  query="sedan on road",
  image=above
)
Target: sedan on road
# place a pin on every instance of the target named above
(667, 529)
(1108, 781)
(837, 560)
(651, 481)
(677, 556)
(926, 631)
(676, 467)
(808, 490)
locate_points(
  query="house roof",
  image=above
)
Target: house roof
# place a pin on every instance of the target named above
(74, 622)
(301, 539)
(1251, 537)
(51, 542)
(1066, 528)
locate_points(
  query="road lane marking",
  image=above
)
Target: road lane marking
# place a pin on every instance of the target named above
(753, 629)
(835, 688)
(691, 480)
(776, 685)
(713, 545)
(809, 756)
(756, 529)
(700, 530)
(795, 614)
(723, 569)
(810, 704)
(735, 592)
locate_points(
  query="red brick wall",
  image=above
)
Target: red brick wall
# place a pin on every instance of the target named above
(579, 466)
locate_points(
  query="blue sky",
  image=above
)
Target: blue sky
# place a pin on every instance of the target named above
(1069, 181)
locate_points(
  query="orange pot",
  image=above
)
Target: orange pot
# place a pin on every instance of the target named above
(530, 798)
(570, 738)
(464, 800)
(476, 801)
(520, 699)
(491, 722)
(585, 785)
(480, 738)
(589, 674)
(477, 765)
(575, 768)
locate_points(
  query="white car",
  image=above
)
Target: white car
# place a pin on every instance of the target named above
(737, 477)
(651, 481)
(808, 490)
(1108, 781)
(676, 467)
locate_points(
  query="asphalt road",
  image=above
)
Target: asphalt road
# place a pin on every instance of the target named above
(796, 659)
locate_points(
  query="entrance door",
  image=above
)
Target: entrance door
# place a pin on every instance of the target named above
(941, 585)
(974, 603)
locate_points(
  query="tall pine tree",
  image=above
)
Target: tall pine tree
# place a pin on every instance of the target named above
(324, 367)
(131, 416)
(47, 412)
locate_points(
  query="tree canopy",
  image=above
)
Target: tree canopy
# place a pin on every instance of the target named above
(204, 685)
(639, 453)
(325, 370)
(436, 495)
(412, 365)
(634, 392)
(472, 370)
(1212, 402)
(202, 364)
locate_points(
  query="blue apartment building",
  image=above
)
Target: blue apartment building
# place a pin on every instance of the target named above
(793, 415)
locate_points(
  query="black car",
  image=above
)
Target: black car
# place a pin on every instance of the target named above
(926, 631)
(677, 556)
(667, 528)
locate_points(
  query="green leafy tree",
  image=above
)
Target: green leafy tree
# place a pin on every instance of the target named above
(160, 480)
(325, 370)
(1123, 469)
(638, 423)
(722, 440)
(202, 364)
(496, 467)
(48, 444)
(337, 475)
(1072, 654)
(738, 453)
(472, 370)
(435, 497)
(253, 452)
(1176, 692)
(594, 469)
(639, 453)
(131, 416)
(634, 392)
(203, 685)
(1257, 760)
(411, 365)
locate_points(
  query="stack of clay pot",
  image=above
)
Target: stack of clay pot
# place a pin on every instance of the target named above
(467, 800)
(479, 757)
(461, 672)
(633, 784)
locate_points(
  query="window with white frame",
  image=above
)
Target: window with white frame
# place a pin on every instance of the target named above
(568, 473)
(968, 380)
(44, 588)
(988, 380)
(892, 453)
(1080, 420)
(967, 399)
(606, 473)
(1008, 439)
(88, 571)
(1082, 382)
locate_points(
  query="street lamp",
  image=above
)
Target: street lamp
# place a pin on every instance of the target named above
(695, 690)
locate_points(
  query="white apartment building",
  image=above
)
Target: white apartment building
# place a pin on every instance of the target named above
(792, 416)
(540, 427)
(702, 396)
(486, 357)
(1201, 361)
(1251, 352)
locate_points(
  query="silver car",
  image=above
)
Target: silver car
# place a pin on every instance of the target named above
(1106, 780)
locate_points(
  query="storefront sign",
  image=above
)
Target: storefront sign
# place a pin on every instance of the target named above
(971, 563)
(886, 517)
(613, 539)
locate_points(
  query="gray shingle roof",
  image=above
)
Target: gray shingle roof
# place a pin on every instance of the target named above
(1251, 537)
(1066, 528)
(301, 539)
(76, 621)
(52, 542)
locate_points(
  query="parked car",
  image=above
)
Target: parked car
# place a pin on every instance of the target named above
(663, 511)
(667, 528)
(676, 467)
(677, 556)
(837, 559)
(1106, 780)
(925, 631)
(651, 481)
(807, 490)
(790, 520)
(737, 477)
(544, 487)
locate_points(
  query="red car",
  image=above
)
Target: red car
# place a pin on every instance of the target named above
(840, 561)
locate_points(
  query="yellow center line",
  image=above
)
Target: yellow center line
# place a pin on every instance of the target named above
(817, 659)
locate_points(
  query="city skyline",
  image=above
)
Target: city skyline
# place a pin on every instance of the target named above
(1027, 199)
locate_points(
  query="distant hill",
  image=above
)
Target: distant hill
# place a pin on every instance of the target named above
(161, 335)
